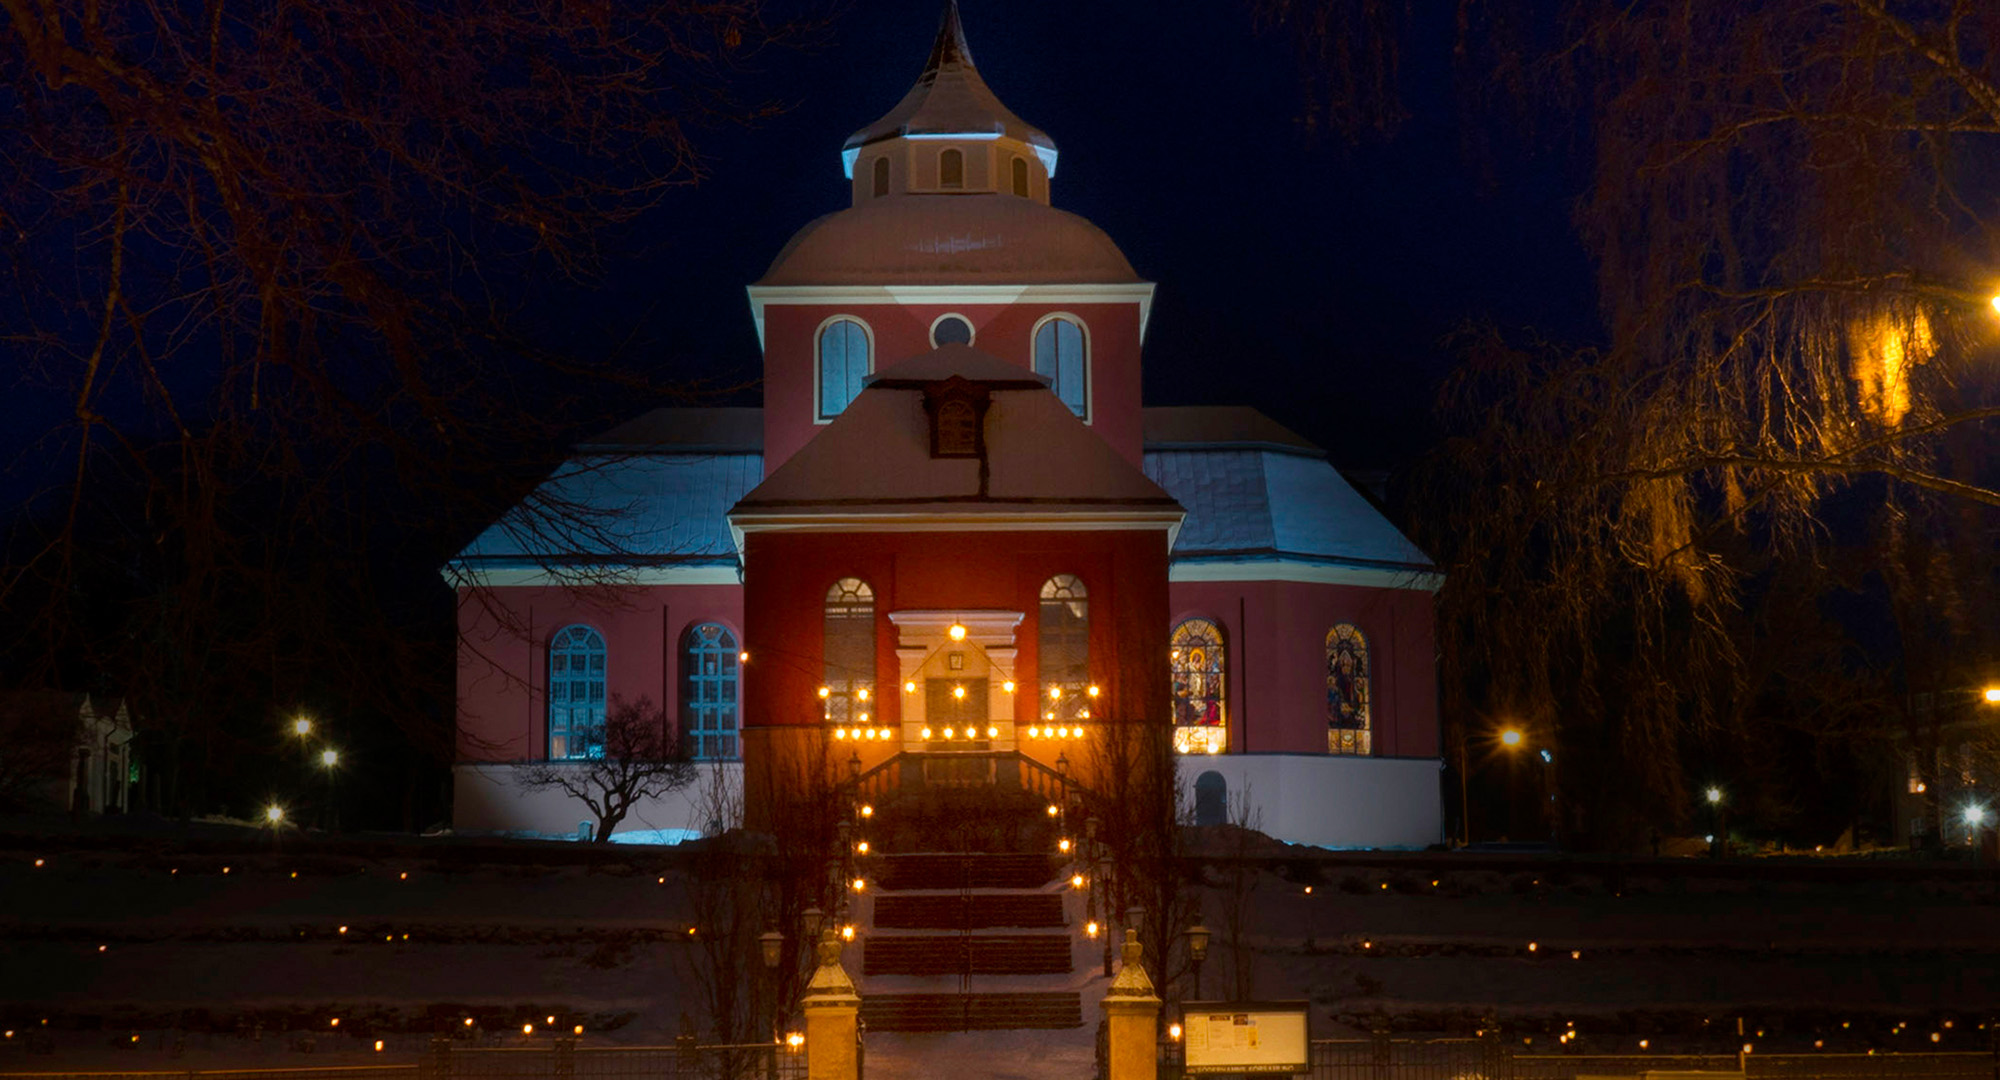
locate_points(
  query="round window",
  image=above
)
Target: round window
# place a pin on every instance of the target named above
(951, 330)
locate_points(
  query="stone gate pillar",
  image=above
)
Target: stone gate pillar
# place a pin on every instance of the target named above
(831, 1006)
(1132, 1015)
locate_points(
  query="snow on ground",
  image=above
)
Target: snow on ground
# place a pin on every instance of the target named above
(115, 939)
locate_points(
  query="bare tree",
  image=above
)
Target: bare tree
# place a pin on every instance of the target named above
(259, 266)
(628, 759)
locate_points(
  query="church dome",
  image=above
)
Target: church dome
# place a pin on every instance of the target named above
(974, 239)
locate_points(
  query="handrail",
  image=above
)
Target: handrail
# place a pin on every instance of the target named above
(886, 776)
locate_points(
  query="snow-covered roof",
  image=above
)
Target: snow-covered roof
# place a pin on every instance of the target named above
(874, 460)
(950, 98)
(975, 239)
(622, 509)
(1256, 491)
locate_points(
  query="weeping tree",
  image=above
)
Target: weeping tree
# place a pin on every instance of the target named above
(1791, 209)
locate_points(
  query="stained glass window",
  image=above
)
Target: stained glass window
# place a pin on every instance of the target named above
(1196, 660)
(708, 703)
(843, 365)
(1060, 354)
(1063, 646)
(1347, 691)
(576, 694)
(850, 652)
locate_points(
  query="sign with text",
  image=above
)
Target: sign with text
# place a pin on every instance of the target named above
(1246, 1037)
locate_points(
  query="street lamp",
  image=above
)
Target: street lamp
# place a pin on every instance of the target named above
(329, 757)
(302, 727)
(1197, 936)
(1510, 738)
(274, 815)
(1716, 800)
(772, 943)
(1993, 695)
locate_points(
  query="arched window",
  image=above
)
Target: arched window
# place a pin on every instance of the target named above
(576, 694)
(881, 177)
(1062, 354)
(951, 169)
(1063, 649)
(843, 364)
(1196, 660)
(1020, 169)
(850, 652)
(1347, 726)
(709, 692)
(1211, 799)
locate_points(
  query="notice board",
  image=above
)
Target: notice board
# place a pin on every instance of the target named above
(1246, 1037)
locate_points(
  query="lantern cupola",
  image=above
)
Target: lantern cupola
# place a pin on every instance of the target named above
(950, 135)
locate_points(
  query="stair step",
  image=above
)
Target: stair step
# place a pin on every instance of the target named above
(987, 954)
(971, 1012)
(894, 912)
(967, 871)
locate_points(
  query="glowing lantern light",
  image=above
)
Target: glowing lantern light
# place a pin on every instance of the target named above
(1076, 881)
(825, 692)
(274, 814)
(948, 733)
(527, 1029)
(1008, 686)
(1063, 846)
(743, 657)
(861, 848)
(1055, 693)
(1091, 929)
(927, 733)
(862, 693)
(992, 732)
(867, 811)
(378, 1046)
(329, 757)
(847, 932)
(860, 885)
(302, 727)
(910, 687)
(840, 733)
(1174, 1032)
(956, 632)
(577, 1030)
(1053, 811)
(958, 692)
(1093, 691)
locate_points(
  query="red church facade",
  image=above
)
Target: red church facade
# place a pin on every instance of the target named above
(954, 529)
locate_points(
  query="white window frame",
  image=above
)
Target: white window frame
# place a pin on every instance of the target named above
(960, 316)
(818, 371)
(1089, 360)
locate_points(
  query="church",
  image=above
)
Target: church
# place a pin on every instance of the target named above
(954, 546)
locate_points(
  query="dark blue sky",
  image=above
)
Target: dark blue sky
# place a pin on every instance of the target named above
(1307, 276)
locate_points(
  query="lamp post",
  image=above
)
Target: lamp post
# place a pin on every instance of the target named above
(1197, 936)
(329, 759)
(772, 944)
(1716, 803)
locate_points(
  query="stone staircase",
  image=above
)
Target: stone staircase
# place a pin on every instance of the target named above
(962, 939)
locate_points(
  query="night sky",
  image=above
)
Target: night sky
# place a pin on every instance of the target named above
(1310, 277)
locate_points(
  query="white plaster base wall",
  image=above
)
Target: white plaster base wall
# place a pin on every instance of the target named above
(1331, 801)
(486, 798)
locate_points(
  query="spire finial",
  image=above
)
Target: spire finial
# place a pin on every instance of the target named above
(950, 48)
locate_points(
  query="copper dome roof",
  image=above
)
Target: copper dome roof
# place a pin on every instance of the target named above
(976, 239)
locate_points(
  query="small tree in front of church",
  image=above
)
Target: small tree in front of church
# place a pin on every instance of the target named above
(632, 757)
